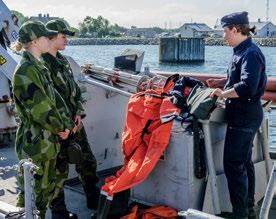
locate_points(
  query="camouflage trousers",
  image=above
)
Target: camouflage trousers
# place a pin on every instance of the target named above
(86, 171)
(43, 150)
(44, 188)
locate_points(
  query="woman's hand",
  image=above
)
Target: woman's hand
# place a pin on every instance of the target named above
(217, 92)
(77, 120)
(78, 123)
(64, 135)
(216, 83)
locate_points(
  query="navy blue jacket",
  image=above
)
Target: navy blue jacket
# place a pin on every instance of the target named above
(246, 72)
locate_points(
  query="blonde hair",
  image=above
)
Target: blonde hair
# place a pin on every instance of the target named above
(20, 47)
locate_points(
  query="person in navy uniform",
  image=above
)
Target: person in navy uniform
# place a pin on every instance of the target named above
(243, 88)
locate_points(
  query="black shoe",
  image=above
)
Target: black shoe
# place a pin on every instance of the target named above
(230, 215)
(63, 214)
(252, 213)
(251, 208)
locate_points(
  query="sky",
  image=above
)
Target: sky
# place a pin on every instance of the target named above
(144, 13)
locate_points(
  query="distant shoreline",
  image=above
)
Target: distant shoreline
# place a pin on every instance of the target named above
(268, 42)
(113, 41)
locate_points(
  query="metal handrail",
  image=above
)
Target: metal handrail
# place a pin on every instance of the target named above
(269, 194)
(108, 87)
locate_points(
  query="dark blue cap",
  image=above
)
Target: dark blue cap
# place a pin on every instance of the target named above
(235, 18)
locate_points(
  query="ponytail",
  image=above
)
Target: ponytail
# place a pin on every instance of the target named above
(19, 47)
(244, 29)
(253, 30)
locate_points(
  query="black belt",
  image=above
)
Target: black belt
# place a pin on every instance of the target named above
(241, 100)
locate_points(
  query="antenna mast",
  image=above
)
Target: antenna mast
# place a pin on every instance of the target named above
(267, 10)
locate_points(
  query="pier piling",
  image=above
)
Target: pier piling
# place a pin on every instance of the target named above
(181, 49)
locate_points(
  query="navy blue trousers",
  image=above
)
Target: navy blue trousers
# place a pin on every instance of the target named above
(244, 119)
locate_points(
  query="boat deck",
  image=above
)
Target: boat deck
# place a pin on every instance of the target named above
(8, 181)
(75, 198)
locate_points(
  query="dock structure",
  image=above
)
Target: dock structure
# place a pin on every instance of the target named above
(181, 49)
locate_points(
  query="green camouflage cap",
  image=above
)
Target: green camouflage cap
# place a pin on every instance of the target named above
(31, 30)
(60, 27)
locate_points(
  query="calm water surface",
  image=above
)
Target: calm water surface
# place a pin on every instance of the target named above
(216, 58)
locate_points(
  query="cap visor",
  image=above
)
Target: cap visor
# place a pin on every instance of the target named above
(223, 24)
(51, 33)
(69, 32)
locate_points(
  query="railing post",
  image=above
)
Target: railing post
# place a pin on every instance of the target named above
(269, 194)
(30, 208)
(211, 166)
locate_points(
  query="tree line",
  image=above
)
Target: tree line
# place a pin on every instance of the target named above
(93, 27)
(100, 27)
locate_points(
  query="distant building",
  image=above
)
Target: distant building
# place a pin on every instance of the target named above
(43, 18)
(217, 31)
(263, 29)
(195, 30)
(141, 32)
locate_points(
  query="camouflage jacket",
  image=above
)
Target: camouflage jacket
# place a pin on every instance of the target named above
(64, 83)
(41, 110)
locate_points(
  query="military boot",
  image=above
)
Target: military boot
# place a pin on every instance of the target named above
(92, 193)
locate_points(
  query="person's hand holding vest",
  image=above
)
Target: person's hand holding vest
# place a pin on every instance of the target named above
(230, 93)
(217, 92)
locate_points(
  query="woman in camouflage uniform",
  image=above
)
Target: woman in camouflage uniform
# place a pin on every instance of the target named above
(64, 83)
(44, 117)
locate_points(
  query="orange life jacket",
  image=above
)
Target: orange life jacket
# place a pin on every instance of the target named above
(156, 212)
(145, 137)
